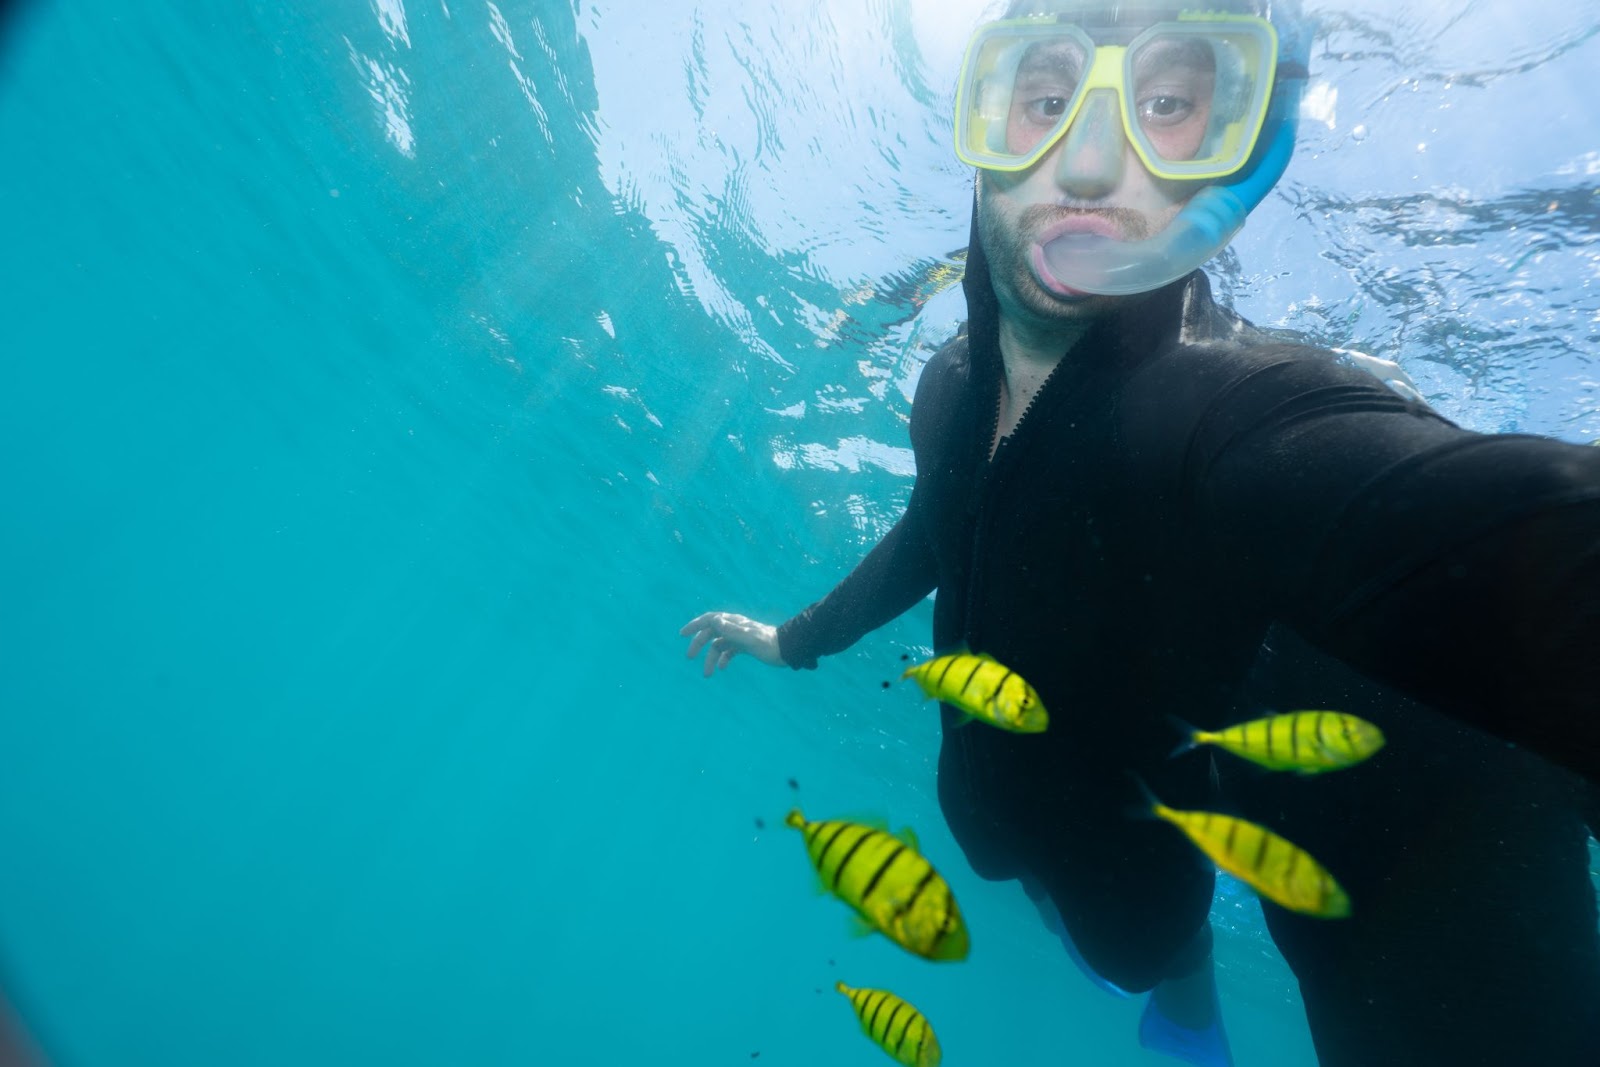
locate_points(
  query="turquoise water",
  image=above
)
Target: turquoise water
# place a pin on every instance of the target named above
(383, 386)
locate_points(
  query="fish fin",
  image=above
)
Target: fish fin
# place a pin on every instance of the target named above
(1188, 744)
(908, 836)
(1147, 810)
(871, 819)
(856, 926)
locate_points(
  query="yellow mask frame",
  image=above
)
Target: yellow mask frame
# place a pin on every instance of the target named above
(1243, 50)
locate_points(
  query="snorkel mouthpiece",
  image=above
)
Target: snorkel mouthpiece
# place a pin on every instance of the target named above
(1108, 267)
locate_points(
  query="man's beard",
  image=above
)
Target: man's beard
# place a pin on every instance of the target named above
(1008, 250)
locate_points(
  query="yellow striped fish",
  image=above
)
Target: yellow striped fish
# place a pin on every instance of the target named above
(1278, 870)
(982, 688)
(897, 1027)
(1306, 742)
(888, 883)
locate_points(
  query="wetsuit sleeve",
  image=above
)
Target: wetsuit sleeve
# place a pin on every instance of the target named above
(899, 571)
(1462, 568)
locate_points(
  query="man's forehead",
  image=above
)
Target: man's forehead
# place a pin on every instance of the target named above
(1052, 56)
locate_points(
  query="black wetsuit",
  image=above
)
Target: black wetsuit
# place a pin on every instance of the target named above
(1473, 937)
(1181, 483)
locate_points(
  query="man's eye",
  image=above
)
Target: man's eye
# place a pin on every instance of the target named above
(1165, 110)
(1047, 108)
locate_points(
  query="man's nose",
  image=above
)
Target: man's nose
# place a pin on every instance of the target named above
(1091, 156)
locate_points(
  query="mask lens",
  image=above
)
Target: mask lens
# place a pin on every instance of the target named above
(1196, 97)
(1018, 89)
(1172, 82)
(1048, 81)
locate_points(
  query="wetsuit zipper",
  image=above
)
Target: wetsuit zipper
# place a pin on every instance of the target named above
(993, 469)
(980, 524)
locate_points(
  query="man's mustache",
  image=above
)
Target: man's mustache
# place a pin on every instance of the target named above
(1130, 224)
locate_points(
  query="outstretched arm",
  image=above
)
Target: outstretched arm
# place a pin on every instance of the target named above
(896, 574)
(1462, 568)
(899, 571)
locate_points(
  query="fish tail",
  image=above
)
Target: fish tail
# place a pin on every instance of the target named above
(1146, 810)
(1190, 735)
(795, 819)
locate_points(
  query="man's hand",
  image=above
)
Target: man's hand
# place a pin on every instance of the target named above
(729, 635)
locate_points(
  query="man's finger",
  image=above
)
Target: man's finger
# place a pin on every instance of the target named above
(699, 622)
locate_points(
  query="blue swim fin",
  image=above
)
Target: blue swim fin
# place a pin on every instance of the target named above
(1205, 1047)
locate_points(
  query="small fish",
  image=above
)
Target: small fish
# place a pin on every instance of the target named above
(1272, 866)
(983, 688)
(1306, 742)
(888, 883)
(896, 1027)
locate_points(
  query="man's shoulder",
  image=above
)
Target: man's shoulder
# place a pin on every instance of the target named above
(948, 368)
(1239, 381)
(940, 388)
(1203, 365)
(1270, 363)
(954, 352)
(1235, 343)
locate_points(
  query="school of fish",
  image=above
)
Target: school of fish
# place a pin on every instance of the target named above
(895, 891)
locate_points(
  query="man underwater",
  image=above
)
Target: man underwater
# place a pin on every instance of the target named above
(1122, 488)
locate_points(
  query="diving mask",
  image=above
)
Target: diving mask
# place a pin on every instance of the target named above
(1193, 91)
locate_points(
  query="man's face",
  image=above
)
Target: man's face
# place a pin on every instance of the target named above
(1091, 181)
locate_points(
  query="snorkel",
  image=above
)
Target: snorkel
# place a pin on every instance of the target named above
(1103, 265)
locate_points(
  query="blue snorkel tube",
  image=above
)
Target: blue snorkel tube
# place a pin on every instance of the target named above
(1211, 218)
